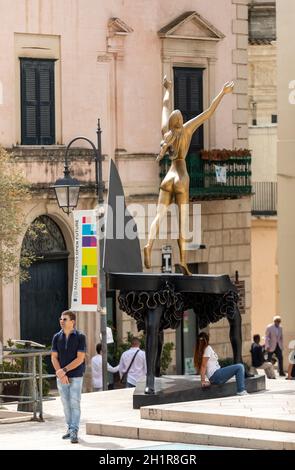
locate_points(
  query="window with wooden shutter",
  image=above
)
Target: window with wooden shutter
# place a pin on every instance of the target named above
(188, 98)
(37, 102)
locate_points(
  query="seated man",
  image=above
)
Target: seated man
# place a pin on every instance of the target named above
(258, 358)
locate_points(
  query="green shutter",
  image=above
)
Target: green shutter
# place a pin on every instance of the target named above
(37, 102)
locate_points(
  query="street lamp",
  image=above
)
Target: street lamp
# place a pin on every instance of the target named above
(67, 192)
(67, 195)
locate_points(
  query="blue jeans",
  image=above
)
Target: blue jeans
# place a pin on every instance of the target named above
(222, 375)
(70, 395)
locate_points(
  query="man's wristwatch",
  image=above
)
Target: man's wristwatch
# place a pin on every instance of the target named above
(65, 370)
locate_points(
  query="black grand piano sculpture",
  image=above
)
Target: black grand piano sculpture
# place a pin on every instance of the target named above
(157, 301)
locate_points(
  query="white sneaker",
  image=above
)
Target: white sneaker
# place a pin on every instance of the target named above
(244, 392)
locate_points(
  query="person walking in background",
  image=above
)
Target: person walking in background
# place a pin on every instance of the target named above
(206, 362)
(68, 359)
(274, 342)
(291, 372)
(291, 367)
(258, 358)
(96, 370)
(132, 364)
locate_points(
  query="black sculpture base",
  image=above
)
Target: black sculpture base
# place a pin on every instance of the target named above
(179, 388)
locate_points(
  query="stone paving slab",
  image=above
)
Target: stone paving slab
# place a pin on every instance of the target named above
(271, 408)
(47, 435)
(116, 408)
(194, 434)
(7, 417)
(276, 413)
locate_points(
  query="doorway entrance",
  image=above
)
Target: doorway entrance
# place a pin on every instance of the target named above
(45, 295)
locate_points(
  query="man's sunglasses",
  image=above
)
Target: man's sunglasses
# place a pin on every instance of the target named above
(65, 319)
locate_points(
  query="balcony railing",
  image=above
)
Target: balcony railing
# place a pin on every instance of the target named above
(264, 202)
(216, 179)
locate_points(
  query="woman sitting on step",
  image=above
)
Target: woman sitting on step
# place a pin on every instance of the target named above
(206, 362)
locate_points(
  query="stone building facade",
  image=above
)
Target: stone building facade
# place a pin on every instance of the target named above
(263, 144)
(286, 168)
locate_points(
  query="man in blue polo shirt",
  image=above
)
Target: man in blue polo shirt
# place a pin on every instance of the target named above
(68, 359)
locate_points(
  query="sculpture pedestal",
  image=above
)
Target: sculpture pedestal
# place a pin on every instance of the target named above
(179, 388)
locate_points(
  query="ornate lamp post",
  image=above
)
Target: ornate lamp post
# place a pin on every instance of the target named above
(67, 195)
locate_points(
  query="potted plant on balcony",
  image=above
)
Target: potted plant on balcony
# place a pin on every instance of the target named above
(221, 155)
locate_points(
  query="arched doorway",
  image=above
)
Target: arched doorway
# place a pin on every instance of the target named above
(45, 295)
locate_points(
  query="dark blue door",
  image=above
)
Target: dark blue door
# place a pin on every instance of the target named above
(45, 295)
(43, 298)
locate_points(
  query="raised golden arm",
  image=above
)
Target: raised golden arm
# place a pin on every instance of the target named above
(196, 122)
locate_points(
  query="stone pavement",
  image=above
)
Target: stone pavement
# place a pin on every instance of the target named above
(121, 427)
(47, 435)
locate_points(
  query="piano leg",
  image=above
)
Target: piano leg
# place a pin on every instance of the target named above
(235, 336)
(160, 347)
(152, 324)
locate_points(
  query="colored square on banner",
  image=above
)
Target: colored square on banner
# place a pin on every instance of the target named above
(88, 229)
(84, 270)
(86, 220)
(89, 256)
(88, 270)
(92, 270)
(89, 296)
(89, 241)
(89, 282)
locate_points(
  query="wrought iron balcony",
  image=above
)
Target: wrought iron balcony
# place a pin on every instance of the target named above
(216, 174)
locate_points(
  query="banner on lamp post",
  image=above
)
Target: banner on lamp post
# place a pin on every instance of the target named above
(84, 293)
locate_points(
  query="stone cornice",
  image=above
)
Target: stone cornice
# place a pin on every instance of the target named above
(209, 32)
(51, 153)
(87, 189)
(136, 156)
(118, 27)
(117, 32)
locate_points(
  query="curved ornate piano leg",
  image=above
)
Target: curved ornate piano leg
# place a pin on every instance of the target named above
(152, 323)
(235, 336)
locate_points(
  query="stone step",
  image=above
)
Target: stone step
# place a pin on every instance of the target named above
(259, 411)
(9, 417)
(187, 433)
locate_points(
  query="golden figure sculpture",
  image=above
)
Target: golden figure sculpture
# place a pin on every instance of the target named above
(176, 140)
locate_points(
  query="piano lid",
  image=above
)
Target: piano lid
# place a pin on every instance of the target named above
(197, 283)
(121, 253)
